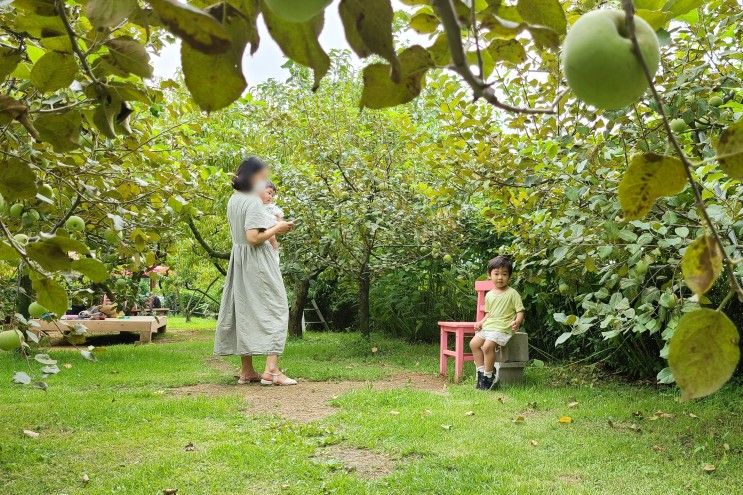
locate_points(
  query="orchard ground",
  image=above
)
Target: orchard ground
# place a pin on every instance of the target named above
(167, 415)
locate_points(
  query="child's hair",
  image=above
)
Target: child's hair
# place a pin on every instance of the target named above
(500, 262)
(271, 185)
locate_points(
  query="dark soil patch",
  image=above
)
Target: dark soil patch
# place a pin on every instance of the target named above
(364, 463)
(308, 401)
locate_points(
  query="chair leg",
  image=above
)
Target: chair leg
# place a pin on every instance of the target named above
(443, 345)
(459, 358)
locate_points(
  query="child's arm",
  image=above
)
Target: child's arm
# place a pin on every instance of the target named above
(478, 324)
(516, 323)
(274, 243)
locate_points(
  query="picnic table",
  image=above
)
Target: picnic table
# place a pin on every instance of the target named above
(144, 326)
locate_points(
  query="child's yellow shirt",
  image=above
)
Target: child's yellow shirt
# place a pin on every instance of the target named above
(501, 310)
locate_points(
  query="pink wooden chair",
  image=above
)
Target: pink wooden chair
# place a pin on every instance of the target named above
(459, 329)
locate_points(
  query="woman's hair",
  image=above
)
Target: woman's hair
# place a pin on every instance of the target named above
(243, 179)
(500, 262)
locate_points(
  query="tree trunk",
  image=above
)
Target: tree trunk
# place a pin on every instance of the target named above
(364, 286)
(301, 291)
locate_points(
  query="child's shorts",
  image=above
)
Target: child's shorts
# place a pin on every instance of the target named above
(499, 338)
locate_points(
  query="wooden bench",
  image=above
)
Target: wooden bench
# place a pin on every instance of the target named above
(144, 326)
(512, 357)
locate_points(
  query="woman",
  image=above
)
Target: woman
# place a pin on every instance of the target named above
(253, 316)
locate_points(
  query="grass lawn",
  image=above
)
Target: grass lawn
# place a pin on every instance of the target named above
(125, 422)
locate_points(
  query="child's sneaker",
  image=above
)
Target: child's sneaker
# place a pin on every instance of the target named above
(487, 382)
(480, 374)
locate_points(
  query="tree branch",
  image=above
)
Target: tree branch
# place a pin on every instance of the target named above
(62, 12)
(459, 64)
(200, 239)
(629, 11)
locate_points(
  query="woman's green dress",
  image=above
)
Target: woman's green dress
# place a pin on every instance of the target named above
(254, 313)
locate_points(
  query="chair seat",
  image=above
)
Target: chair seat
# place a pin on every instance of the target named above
(467, 325)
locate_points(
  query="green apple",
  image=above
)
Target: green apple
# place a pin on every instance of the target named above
(21, 239)
(11, 340)
(36, 310)
(715, 101)
(121, 283)
(75, 224)
(599, 64)
(678, 125)
(16, 210)
(448, 259)
(30, 217)
(297, 10)
(46, 190)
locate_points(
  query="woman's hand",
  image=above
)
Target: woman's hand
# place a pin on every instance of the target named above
(283, 227)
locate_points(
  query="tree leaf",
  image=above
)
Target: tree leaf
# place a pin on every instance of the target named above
(381, 91)
(547, 13)
(109, 13)
(424, 21)
(702, 264)
(368, 26)
(730, 150)
(562, 338)
(92, 268)
(7, 253)
(60, 129)
(129, 56)
(649, 177)
(703, 352)
(9, 59)
(203, 73)
(507, 50)
(51, 295)
(49, 255)
(21, 378)
(54, 71)
(299, 42)
(197, 28)
(17, 180)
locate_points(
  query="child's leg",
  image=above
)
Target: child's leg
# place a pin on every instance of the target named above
(488, 350)
(476, 347)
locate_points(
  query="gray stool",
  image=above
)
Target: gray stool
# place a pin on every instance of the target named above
(512, 359)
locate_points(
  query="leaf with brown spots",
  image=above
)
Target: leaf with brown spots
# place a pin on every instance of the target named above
(730, 150)
(701, 264)
(703, 352)
(368, 26)
(649, 177)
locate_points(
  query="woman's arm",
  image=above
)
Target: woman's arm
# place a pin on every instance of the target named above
(257, 237)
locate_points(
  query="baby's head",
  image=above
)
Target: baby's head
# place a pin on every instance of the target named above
(268, 193)
(500, 269)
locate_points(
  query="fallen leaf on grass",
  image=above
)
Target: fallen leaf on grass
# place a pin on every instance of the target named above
(67, 366)
(394, 413)
(573, 405)
(565, 419)
(533, 405)
(659, 448)
(709, 468)
(692, 415)
(428, 412)
(533, 443)
(85, 478)
(30, 434)
(469, 413)
(374, 349)
(446, 427)
(726, 446)
(501, 399)
(170, 491)
(190, 447)
(518, 419)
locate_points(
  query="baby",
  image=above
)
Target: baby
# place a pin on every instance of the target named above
(267, 196)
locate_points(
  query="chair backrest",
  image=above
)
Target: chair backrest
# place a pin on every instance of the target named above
(482, 287)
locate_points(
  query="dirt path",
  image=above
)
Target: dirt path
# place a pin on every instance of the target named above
(309, 401)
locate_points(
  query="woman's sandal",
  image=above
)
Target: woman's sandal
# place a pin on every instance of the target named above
(242, 380)
(273, 381)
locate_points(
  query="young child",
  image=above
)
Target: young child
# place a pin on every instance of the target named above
(504, 314)
(267, 196)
